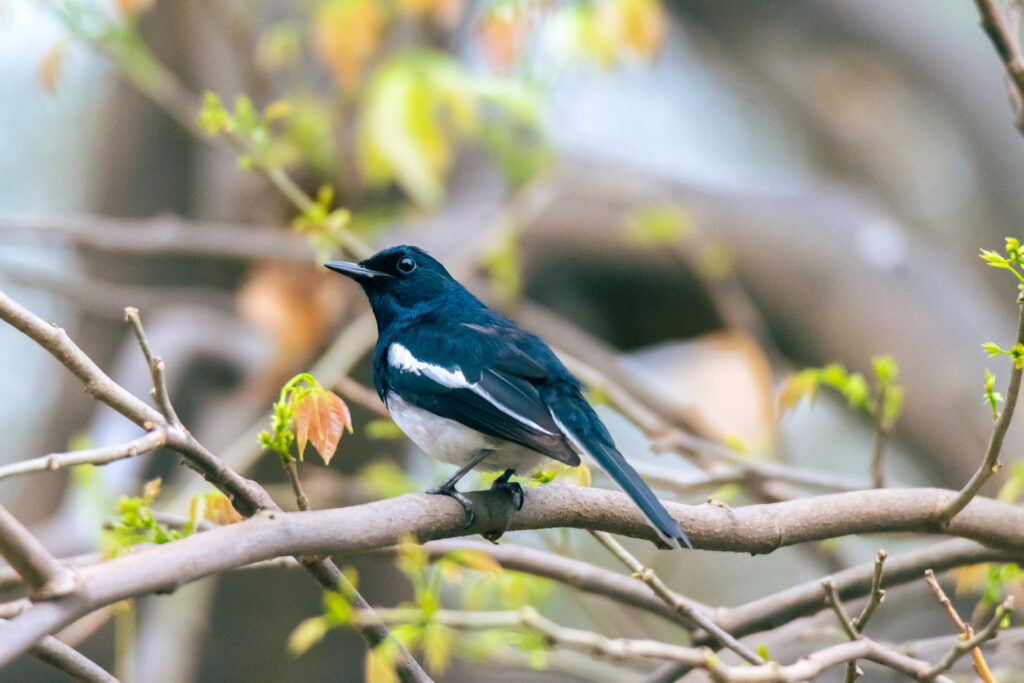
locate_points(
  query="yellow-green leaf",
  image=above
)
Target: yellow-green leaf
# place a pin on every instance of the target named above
(308, 633)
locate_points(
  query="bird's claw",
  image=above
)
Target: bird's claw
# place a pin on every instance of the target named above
(466, 503)
(513, 488)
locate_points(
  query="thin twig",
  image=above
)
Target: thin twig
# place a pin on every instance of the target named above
(246, 496)
(806, 668)
(291, 468)
(877, 593)
(1008, 48)
(882, 430)
(833, 601)
(156, 368)
(46, 577)
(966, 644)
(89, 456)
(680, 604)
(162, 236)
(980, 666)
(69, 660)
(995, 444)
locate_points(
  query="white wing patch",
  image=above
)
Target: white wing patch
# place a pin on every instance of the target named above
(400, 358)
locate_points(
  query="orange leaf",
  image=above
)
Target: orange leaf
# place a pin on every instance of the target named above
(637, 24)
(320, 417)
(49, 68)
(132, 7)
(214, 507)
(502, 36)
(346, 34)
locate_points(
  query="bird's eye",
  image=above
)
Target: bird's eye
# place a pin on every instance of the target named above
(406, 265)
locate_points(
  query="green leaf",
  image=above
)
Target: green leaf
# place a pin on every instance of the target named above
(384, 428)
(437, 647)
(657, 225)
(401, 137)
(993, 349)
(993, 397)
(337, 608)
(885, 369)
(503, 262)
(308, 633)
(1017, 353)
(385, 479)
(213, 117)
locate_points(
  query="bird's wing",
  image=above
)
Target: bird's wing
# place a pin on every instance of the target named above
(490, 389)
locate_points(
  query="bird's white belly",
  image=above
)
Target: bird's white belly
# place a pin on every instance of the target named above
(452, 442)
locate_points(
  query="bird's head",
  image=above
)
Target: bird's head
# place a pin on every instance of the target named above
(400, 280)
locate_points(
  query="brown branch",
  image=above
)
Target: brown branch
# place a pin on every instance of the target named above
(882, 430)
(806, 668)
(246, 496)
(683, 606)
(161, 395)
(90, 456)
(980, 666)
(69, 660)
(291, 469)
(966, 644)
(361, 528)
(163, 235)
(832, 600)
(876, 595)
(1008, 48)
(46, 577)
(576, 574)
(804, 599)
(995, 444)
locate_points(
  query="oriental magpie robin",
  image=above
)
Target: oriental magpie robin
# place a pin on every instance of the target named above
(471, 388)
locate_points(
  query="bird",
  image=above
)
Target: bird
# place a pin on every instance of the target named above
(471, 388)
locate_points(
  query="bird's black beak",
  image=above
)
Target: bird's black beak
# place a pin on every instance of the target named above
(353, 270)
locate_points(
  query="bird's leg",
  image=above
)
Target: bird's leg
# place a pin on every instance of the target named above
(502, 483)
(447, 487)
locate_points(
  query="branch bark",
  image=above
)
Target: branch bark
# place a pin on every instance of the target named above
(362, 528)
(89, 456)
(991, 461)
(46, 577)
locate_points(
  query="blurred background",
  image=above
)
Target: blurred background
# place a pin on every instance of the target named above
(691, 199)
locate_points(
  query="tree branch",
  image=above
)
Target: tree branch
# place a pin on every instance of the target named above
(980, 666)
(361, 528)
(46, 577)
(246, 496)
(163, 235)
(965, 645)
(90, 456)
(876, 595)
(832, 600)
(683, 606)
(69, 660)
(995, 444)
(624, 648)
(1008, 48)
(161, 396)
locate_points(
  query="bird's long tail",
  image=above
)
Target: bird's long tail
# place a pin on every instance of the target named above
(629, 481)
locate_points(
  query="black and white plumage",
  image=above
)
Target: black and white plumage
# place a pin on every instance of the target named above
(473, 389)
